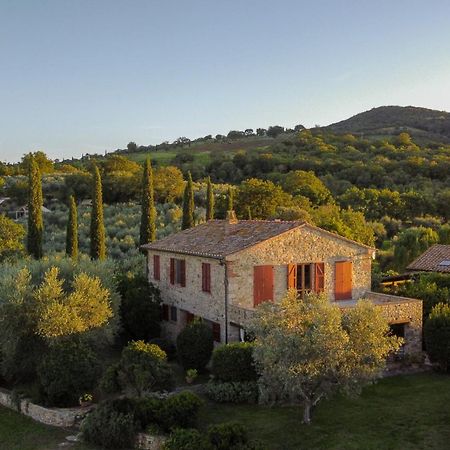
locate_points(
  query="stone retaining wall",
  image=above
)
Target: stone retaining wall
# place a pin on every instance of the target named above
(58, 417)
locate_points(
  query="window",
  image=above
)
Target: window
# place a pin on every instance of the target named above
(343, 280)
(173, 313)
(216, 331)
(262, 284)
(165, 311)
(156, 267)
(206, 277)
(306, 278)
(178, 271)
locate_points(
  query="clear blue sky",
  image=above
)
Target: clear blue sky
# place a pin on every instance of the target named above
(81, 76)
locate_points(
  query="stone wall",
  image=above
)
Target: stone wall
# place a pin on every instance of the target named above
(301, 245)
(402, 310)
(58, 417)
(210, 306)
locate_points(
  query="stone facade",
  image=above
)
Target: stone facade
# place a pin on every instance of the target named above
(231, 300)
(58, 417)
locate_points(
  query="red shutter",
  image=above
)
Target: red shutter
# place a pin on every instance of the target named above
(183, 272)
(216, 331)
(189, 317)
(262, 284)
(172, 271)
(343, 280)
(206, 277)
(165, 312)
(292, 276)
(319, 277)
(156, 268)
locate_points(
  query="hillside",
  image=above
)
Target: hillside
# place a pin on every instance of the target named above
(423, 123)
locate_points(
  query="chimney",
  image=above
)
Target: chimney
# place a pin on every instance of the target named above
(231, 217)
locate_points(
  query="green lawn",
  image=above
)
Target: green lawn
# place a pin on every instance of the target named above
(406, 412)
(18, 432)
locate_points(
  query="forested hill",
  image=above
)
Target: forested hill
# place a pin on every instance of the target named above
(427, 124)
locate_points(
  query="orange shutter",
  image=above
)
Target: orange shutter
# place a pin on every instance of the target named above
(292, 276)
(156, 267)
(319, 277)
(343, 280)
(172, 271)
(262, 284)
(183, 272)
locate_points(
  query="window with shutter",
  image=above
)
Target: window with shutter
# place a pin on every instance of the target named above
(206, 277)
(172, 271)
(319, 277)
(173, 313)
(292, 276)
(262, 284)
(178, 271)
(216, 331)
(165, 311)
(343, 280)
(156, 267)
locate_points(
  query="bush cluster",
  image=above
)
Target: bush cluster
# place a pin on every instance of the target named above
(114, 423)
(195, 345)
(437, 336)
(234, 362)
(111, 425)
(68, 369)
(233, 392)
(142, 368)
(224, 436)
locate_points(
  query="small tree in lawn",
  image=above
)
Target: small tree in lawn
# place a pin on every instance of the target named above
(72, 230)
(148, 215)
(98, 246)
(188, 205)
(437, 336)
(307, 350)
(209, 200)
(195, 345)
(35, 203)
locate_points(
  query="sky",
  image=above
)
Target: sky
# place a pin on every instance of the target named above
(85, 76)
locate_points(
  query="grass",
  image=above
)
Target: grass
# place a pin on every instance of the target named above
(405, 412)
(18, 432)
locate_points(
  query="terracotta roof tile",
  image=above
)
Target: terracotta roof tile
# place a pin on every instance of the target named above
(219, 238)
(435, 259)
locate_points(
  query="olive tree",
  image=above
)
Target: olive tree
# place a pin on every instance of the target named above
(307, 350)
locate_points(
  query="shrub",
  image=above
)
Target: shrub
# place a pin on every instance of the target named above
(195, 345)
(437, 336)
(234, 362)
(182, 439)
(179, 411)
(233, 392)
(67, 370)
(139, 308)
(107, 426)
(165, 345)
(142, 367)
(226, 436)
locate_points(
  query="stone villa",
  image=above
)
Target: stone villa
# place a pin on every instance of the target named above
(221, 270)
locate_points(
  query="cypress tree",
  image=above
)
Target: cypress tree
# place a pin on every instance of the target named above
(35, 203)
(230, 199)
(209, 200)
(188, 205)
(72, 230)
(148, 216)
(98, 246)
